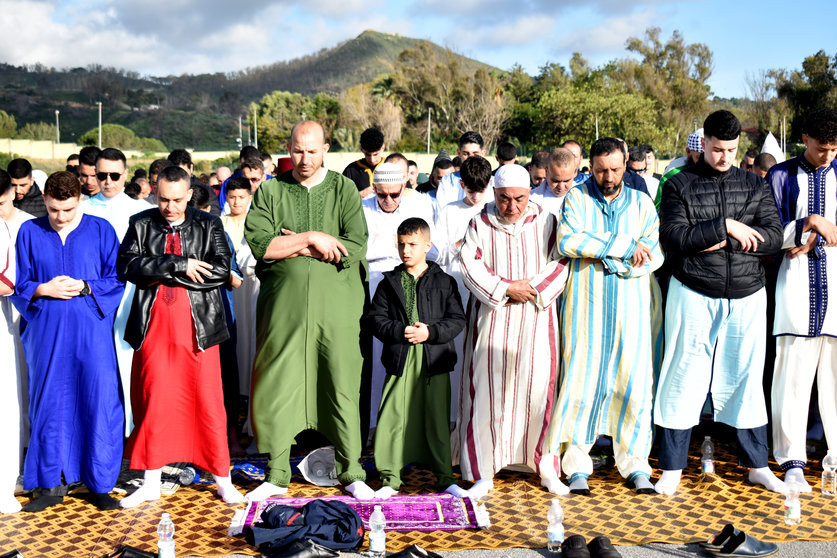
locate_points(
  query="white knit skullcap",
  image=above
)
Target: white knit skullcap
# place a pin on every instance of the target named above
(388, 173)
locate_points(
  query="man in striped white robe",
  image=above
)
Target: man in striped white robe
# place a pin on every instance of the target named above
(512, 268)
(611, 322)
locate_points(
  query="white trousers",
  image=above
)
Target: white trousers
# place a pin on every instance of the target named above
(798, 361)
(576, 459)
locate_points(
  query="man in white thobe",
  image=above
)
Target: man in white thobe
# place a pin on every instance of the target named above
(10, 357)
(471, 144)
(112, 204)
(561, 171)
(391, 204)
(511, 265)
(475, 176)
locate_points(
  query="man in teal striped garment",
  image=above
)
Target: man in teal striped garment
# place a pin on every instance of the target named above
(611, 323)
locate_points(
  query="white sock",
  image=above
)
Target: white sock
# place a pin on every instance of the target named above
(797, 475)
(554, 485)
(150, 490)
(265, 490)
(360, 490)
(457, 491)
(227, 491)
(669, 481)
(481, 488)
(765, 477)
(9, 504)
(385, 492)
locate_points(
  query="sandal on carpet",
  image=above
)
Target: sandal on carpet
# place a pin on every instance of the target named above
(716, 543)
(574, 546)
(600, 547)
(742, 544)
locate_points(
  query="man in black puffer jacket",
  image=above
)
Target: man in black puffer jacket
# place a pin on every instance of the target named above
(716, 222)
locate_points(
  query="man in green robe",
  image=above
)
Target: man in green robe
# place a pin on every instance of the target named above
(307, 231)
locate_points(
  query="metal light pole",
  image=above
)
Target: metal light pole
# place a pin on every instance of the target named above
(100, 123)
(57, 129)
(429, 109)
(255, 129)
(239, 132)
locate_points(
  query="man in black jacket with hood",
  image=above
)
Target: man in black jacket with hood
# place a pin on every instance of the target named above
(716, 222)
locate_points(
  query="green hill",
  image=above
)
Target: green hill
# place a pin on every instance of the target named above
(199, 111)
(333, 70)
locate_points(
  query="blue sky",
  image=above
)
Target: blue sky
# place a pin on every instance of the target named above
(164, 37)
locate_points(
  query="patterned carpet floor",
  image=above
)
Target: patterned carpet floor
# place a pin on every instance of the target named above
(517, 509)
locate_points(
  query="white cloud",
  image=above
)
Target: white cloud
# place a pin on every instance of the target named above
(31, 35)
(606, 40)
(172, 37)
(524, 30)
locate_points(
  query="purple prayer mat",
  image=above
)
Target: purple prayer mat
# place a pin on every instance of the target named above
(404, 512)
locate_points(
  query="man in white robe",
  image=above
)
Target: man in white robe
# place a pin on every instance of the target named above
(391, 204)
(611, 308)
(10, 358)
(475, 176)
(116, 207)
(14, 218)
(470, 144)
(805, 324)
(561, 171)
(511, 265)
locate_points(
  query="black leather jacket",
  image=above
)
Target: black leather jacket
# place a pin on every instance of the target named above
(142, 260)
(695, 205)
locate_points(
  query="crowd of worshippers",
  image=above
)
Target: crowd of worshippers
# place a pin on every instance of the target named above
(537, 309)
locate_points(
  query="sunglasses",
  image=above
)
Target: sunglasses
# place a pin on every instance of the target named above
(114, 176)
(394, 196)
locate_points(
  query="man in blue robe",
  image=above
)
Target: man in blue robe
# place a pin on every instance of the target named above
(67, 294)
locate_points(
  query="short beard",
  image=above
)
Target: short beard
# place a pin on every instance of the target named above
(609, 191)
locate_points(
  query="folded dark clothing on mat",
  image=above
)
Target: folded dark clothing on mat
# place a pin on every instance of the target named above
(333, 525)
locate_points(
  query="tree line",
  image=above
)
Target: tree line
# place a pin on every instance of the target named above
(651, 98)
(655, 95)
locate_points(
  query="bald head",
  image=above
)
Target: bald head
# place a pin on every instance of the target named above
(307, 128)
(223, 173)
(307, 148)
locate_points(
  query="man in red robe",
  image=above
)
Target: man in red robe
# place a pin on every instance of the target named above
(177, 256)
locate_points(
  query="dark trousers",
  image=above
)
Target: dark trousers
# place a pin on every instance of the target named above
(674, 447)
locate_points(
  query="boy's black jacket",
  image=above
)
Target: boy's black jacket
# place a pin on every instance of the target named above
(439, 306)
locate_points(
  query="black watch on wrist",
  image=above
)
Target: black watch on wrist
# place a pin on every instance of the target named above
(86, 290)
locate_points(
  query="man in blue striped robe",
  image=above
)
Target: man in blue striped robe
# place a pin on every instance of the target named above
(611, 322)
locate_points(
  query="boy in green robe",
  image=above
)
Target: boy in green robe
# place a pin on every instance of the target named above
(417, 313)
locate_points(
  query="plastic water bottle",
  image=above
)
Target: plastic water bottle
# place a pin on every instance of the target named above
(829, 474)
(377, 535)
(707, 457)
(165, 544)
(187, 476)
(555, 528)
(793, 508)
